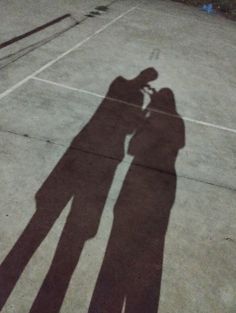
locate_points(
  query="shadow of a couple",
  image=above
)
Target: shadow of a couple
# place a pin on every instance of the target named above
(130, 276)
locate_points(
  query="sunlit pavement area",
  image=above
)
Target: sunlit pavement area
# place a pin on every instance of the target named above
(51, 86)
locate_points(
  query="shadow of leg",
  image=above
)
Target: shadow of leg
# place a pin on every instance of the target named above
(15, 262)
(109, 292)
(144, 281)
(54, 287)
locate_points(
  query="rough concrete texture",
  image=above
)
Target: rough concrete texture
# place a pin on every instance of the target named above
(50, 94)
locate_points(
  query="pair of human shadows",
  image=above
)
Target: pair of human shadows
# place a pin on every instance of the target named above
(130, 277)
(83, 174)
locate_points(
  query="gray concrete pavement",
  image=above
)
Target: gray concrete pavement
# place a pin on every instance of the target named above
(42, 108)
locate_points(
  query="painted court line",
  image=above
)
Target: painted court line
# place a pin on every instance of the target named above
(23, 81)
(188, 119)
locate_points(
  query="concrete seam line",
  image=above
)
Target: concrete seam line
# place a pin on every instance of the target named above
(188, 119)
(231, 188)
(48, 64)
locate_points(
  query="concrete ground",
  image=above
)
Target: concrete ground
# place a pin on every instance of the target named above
(49, 93)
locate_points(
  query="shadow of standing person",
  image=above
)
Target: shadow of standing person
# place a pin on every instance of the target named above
(83, 174)
(130, 277)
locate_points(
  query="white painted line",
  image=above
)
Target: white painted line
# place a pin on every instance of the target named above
(82, 91)
(188, 119)
(17, 85)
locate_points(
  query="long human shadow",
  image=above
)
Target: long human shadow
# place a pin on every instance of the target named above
(130, 277)
(83, 174)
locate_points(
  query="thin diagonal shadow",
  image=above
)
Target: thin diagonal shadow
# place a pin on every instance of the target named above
(83, 174)
(130, 277)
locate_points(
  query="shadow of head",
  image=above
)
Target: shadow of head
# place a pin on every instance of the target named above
(163, 100)
(146, 76)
